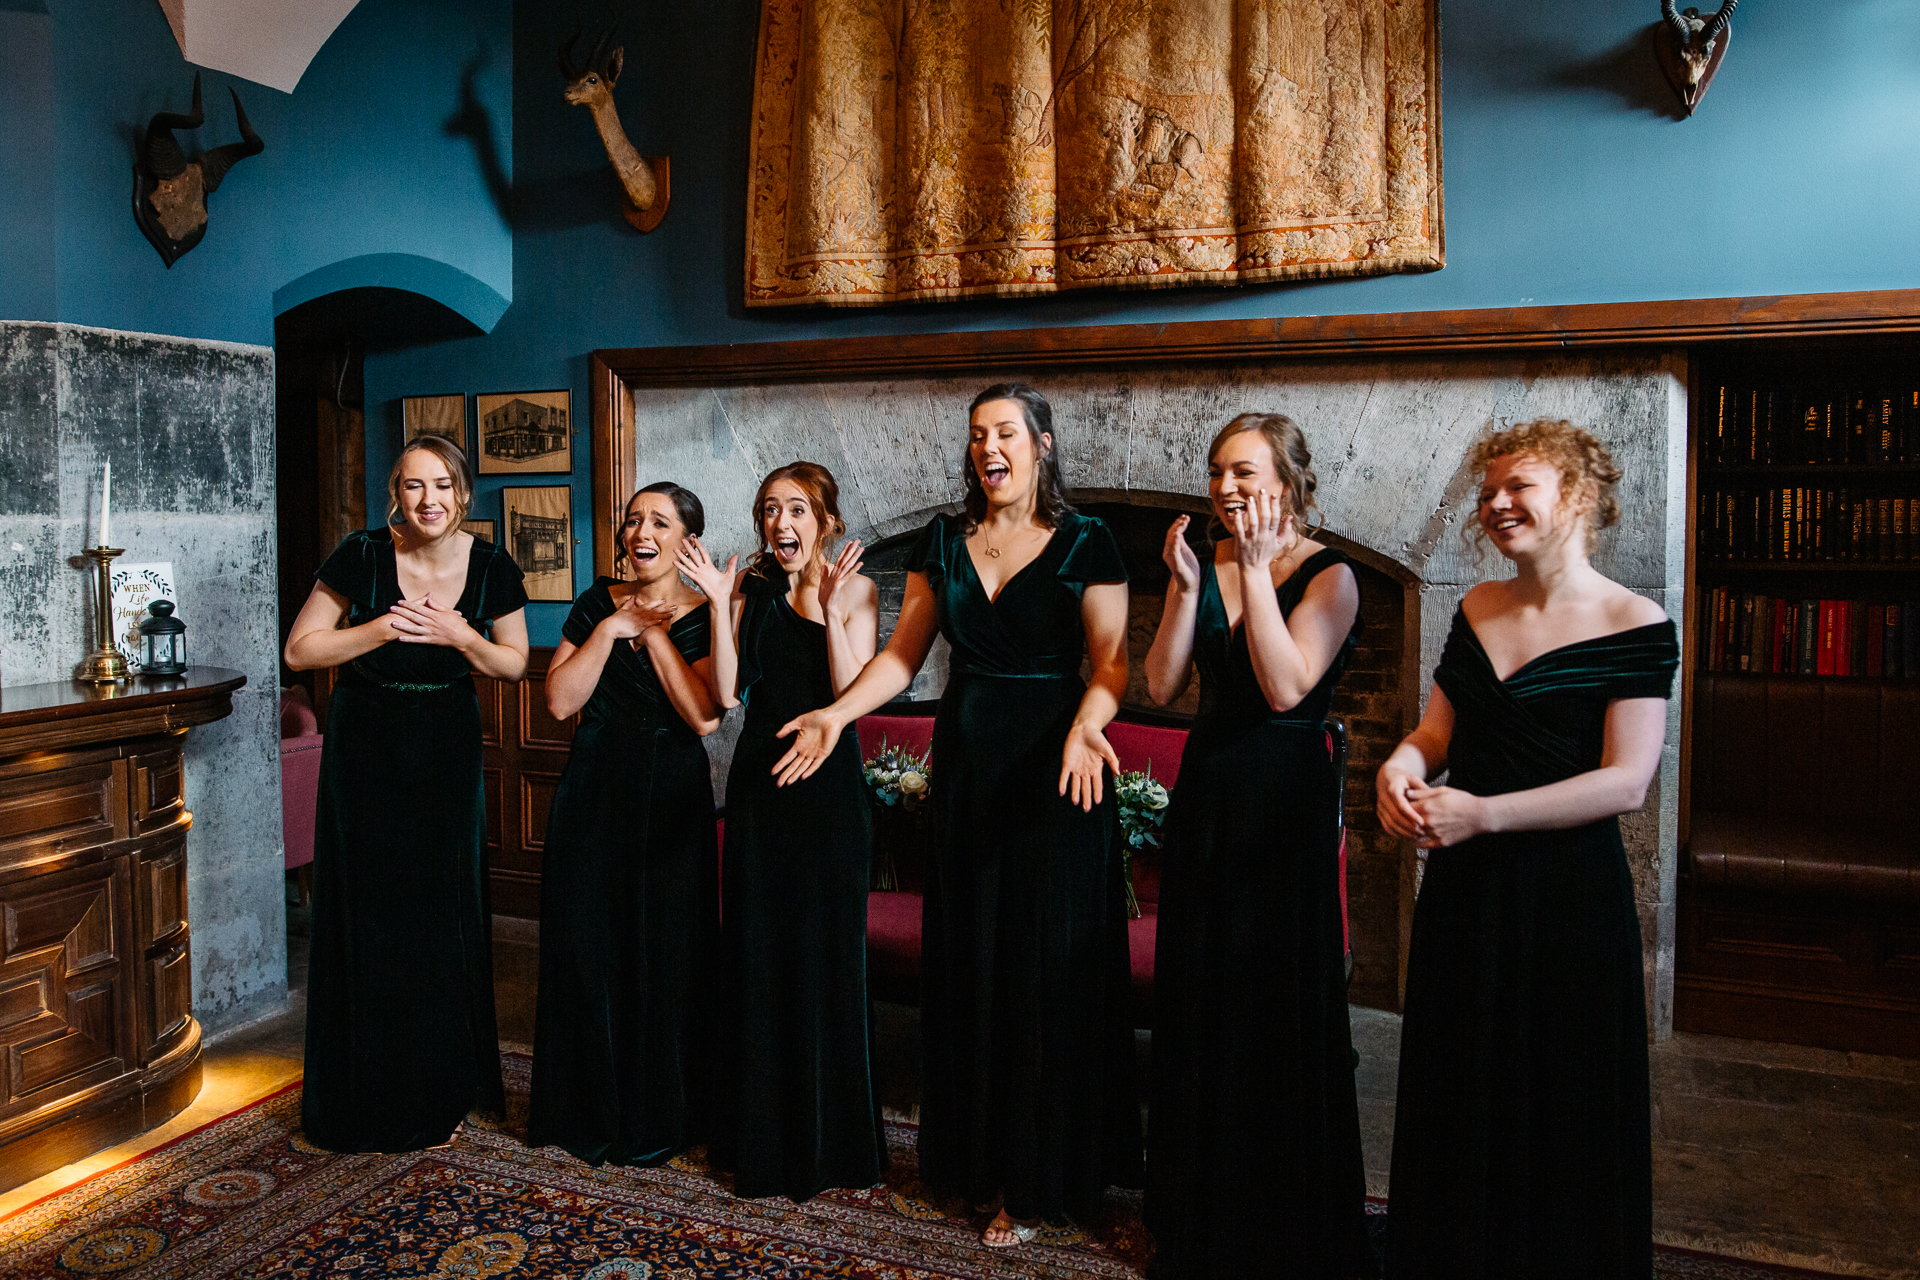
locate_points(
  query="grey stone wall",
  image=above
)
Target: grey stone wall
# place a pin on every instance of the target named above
(189, 428)
(1389, 438)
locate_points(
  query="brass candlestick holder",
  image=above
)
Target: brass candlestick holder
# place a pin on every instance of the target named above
(104, 665)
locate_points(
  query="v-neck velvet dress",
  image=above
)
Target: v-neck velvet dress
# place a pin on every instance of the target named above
(401, 1040)
(629, 916)
(798, 1112)
(1027, 1080)
(1521, 1143)
(1253, 1138)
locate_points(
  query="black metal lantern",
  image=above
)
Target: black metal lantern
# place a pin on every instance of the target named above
(163, 641)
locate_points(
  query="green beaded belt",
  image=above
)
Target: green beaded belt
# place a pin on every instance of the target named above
(398, 686)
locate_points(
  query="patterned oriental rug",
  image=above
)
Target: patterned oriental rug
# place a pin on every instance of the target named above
(247, 1196)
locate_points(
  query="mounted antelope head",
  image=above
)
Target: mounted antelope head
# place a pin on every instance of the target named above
(1691, 47)
(169, 191)
(643, 177)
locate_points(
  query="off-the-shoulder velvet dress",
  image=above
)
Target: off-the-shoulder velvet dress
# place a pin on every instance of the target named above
(798, 1112)
(1253, 1137)
(629, 916)
(1027, 1081)
(401, 1042)
(1522, 1143)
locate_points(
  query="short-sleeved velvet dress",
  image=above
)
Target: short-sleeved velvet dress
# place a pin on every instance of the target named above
(629, 916)
(1522, 1140)
(798, 1112)
(1027, 1081)
(1253, 1137)
(401, 1041)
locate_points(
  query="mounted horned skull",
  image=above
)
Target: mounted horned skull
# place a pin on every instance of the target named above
(1691, 48)
(643, 177)
(170, 191)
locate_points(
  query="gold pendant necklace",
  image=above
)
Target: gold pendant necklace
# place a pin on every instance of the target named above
(993, 552)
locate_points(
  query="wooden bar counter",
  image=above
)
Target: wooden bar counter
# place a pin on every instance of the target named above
(97, 1036)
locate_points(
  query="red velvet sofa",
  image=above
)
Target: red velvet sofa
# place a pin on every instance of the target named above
(300, 745)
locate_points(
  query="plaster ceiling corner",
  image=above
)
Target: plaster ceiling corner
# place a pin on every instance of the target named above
(267, 41)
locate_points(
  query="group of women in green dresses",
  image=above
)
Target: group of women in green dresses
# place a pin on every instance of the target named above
(692, 993)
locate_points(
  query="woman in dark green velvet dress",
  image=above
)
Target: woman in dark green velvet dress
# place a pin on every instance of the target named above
(629, 892)
(1027, 1089)
(796, 1110)
(1253, 1140)
(1522, 1142)
(400, 1022)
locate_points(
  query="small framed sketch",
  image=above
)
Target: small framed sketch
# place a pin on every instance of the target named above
(539, 528)
(435, 416)
(480, 529)
(525, 432)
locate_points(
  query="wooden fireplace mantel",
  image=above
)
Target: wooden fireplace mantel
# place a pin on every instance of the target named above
(97, 1036)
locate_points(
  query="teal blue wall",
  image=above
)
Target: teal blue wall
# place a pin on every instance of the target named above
(1568, 180)
(360, 163)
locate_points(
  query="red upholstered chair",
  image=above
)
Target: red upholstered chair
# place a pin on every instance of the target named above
(915, 733)
(300, 745)
(1152, 749)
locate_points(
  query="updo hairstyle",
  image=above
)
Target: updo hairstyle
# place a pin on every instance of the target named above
(455, 459)
(823, 495)
(686, 505)
(1050, 491)
(1587, 471)
(1291, 460)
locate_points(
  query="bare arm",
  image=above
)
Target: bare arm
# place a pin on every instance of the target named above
(1103, 612)
(575, 672)
(1291, 654)
(505, 656)
(724, 603)
(850, 603)
(688, 688)
(317, 640)
(1420, 755)
(1170, 660)
(1636, 730)
(884, 678)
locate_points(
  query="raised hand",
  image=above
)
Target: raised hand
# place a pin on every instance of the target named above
(424, 621)
(845, 565)
(1179, 556)
(1082, 764)
(814, 735)
(692, 559)
(1261, 531)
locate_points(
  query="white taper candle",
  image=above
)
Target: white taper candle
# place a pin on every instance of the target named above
(106, 504)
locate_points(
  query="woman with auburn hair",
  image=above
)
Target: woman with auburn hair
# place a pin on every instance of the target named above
(1027, 1093)
(796, 1111)
(400, 1020)
(1522, 1142)
(1253, 1150)
(629, 895)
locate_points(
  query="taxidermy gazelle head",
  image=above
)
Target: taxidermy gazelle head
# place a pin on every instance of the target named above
(169, 191)
(643, 177)
(1691, 48)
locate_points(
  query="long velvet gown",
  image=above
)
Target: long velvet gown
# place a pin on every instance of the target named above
(401, 1041)
(1027, 1081)
(1253, 1141)
(629, 917)
(798, 1112)
(1522, 1144)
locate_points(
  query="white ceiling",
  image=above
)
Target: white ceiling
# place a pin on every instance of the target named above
(267, 41)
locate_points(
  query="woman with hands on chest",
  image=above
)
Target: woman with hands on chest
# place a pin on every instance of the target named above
(1253, 1152)
(629, 892)
(1028, 1103)
(796, 1109)
(1522, 1140)
(400, 1015)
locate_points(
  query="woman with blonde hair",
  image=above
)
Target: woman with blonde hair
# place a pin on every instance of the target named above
(1253, 1145)
(400, 1020)
(1522, 1139)
(796, 1111)
(629, 896)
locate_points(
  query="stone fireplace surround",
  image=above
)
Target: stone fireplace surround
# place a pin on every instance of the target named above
(1389, 434)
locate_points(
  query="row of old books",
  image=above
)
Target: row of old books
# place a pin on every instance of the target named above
(1757, 425)
(1773, 635)
(1842, 523)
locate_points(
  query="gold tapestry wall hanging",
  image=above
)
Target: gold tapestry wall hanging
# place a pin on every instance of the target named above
(918, 149)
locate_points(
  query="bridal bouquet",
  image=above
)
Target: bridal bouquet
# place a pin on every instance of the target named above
(897, 781)
(1143, 808)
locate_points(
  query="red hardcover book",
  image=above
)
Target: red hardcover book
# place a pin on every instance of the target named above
(1825, 656)
(1843, 637)
(1876, 639)
(1782, 628)
(1717, 652)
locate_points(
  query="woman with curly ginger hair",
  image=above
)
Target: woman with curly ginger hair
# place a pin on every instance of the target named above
(1522, 1139)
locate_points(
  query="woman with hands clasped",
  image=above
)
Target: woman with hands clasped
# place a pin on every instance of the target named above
(796, 1111)
(400, 1020)
(1253, 1151)
(629, 892)
(1522, 1138)
(1027, 1090)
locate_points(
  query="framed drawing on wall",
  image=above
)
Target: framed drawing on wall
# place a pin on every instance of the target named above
(435, 416)
(539, 529)
(480, 529)
(525, 432)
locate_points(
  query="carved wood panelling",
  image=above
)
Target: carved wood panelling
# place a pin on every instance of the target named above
(157, 794)
(60, 963)
(46, 816)
(523, 767)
